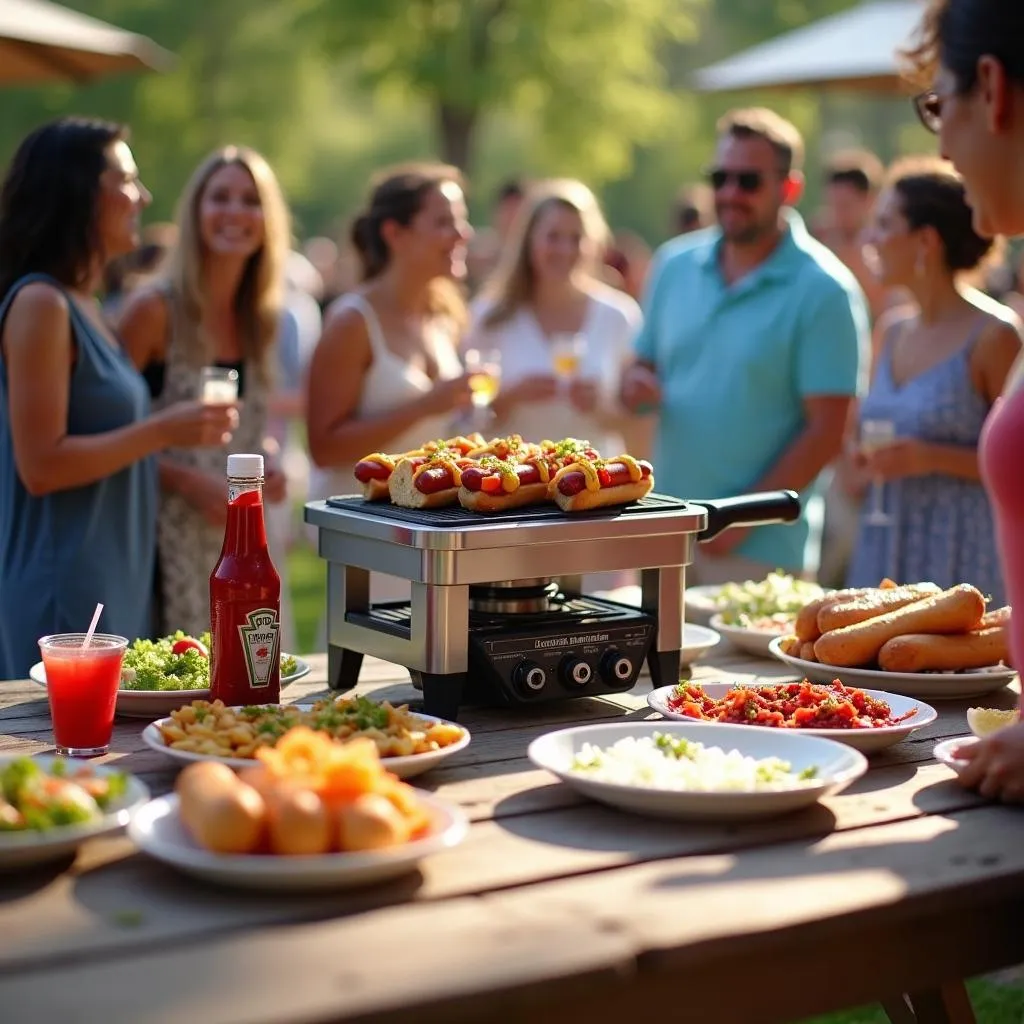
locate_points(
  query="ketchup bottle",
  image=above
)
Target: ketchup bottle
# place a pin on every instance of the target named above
(245, 597)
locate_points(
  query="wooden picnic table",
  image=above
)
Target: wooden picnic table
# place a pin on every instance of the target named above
(553, 910)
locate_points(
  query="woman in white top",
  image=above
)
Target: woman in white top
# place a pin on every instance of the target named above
(386, 375)
(546, 285)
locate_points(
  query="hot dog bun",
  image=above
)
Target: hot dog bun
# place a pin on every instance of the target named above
(806, 626)
(957, 610)
(402, 488)
(376, 490)
(524, 494)
(921, 652)
(870, 604)
(807, 651)
(620, 494)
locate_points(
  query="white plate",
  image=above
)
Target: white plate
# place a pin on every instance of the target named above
(934, 685)
(157, 830)
(838, 766)
(22, 849)
(697, 641)
(404, 767)
(944, 751)
(867, 741)
(152, 704)
(701, 603)
(752, 641)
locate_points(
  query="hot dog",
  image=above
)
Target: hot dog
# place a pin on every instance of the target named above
(493, 485)
(428, 481)
(585, 485)
(957, 610)
(374, 471)
(920, 652)
(875, 602)
(512, 448)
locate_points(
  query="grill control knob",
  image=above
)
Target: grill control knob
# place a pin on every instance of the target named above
(616, 668)
(529, 677)
(576, 672)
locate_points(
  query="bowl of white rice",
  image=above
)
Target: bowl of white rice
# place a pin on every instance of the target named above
(682, 770)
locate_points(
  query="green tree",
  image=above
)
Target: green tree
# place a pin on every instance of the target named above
(588, 74)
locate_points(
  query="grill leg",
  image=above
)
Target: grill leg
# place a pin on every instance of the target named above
(442, 694)
(664, 666)
(343, 667)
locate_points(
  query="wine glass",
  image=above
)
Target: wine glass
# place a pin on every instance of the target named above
(567, 352)
(874, 435)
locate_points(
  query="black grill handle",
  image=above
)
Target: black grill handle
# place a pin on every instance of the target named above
(748, 510)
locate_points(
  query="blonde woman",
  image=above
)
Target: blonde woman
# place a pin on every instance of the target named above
(547, 290)
(219, 303)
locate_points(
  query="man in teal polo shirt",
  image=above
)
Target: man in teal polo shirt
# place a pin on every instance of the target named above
(752, 351)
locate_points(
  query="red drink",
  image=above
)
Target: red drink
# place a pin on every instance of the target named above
(245, 597)
(82, 684)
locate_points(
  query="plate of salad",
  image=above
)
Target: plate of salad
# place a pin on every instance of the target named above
(158, 676)
(50, 805)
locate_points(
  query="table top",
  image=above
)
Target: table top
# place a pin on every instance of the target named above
(553, 908)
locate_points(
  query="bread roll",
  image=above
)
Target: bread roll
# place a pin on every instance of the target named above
(923, 652)
(298, 822)
(806, 625)
(837, 614)
(957, 610)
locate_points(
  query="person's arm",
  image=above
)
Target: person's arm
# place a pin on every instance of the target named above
(142, 327)
(640, 390)
(337, 370)
(39, 353)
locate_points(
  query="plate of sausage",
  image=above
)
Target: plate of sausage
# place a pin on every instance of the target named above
(917, 640)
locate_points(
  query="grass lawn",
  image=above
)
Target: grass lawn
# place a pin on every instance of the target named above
(994, 1002)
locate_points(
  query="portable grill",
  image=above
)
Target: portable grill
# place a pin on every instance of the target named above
(497, 613)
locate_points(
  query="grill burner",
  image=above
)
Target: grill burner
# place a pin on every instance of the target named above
(519, 597)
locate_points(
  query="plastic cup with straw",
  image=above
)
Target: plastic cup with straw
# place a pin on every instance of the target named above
(83, 673)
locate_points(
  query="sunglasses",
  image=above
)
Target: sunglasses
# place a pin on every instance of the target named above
(928, 106)
(746, 181)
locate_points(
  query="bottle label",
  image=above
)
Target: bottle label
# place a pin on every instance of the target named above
(260, 636)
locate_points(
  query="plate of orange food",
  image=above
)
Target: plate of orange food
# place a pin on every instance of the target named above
(310, 813)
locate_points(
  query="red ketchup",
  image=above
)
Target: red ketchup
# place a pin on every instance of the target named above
(245, 597)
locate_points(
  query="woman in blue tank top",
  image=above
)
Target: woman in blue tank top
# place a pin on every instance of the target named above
(78, 481)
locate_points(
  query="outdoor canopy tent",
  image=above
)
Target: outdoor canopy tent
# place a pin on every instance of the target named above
(855, 49)
(42, 42)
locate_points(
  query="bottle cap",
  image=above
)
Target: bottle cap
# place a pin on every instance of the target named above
(249, 467)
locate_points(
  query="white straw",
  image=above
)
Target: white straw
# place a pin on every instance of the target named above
(92, 626)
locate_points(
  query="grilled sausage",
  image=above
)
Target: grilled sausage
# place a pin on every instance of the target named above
(922, 652)
(957, 610)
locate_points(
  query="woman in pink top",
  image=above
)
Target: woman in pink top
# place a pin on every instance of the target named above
(971, 59)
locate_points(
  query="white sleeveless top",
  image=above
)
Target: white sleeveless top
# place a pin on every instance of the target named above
(389, 383)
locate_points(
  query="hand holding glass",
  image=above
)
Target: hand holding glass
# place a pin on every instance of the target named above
(82, 684)
(218, 385)
(567, 352)
(485, 381)
(876, 434)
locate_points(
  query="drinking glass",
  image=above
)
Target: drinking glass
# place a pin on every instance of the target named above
(485, 381)
(567, 352)
(876, 434)
(218, 385)
(82, 684)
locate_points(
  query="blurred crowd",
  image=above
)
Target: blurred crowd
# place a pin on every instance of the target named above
(853, 357)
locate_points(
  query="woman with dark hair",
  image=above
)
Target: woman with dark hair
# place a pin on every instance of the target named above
(970, 60)
(77, 478)
(386, 375)
(940, 368)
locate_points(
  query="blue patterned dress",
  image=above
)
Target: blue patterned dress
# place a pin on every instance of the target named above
(942, 527)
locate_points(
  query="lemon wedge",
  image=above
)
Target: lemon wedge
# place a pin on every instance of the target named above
(985, 721)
